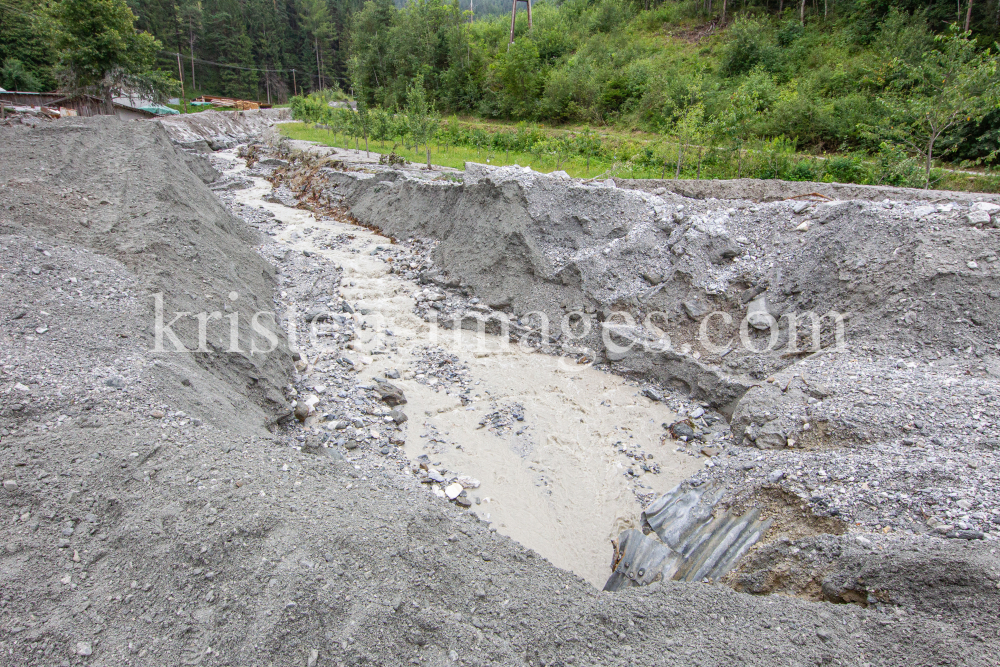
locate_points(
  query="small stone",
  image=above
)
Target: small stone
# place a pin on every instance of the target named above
(775, 476)
(804, 227)
(313, 657)
(41, 330)
(799, 207)
(694, 309)
(157, 414)
(392, 374)
(10, 485)
(682, 429)
(965, 535)
(710, 451)
(390, 393)
(653, 394)
(398, 416)
(84, 648)
(697, 412)
(453, 490)
(972, 265)
(977, 218)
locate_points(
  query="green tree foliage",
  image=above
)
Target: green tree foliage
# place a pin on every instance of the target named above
(949, 84)
(101, 51)
(14, 76)
(27, 35)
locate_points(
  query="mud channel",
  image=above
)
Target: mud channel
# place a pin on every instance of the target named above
(554, 480)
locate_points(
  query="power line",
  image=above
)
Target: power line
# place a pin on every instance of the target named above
(211, 62)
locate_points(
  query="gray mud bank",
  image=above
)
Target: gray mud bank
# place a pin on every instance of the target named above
(165, 508)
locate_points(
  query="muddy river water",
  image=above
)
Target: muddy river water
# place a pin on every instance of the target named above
(554, 481)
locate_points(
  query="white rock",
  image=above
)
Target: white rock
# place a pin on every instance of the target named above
(804, 227)
(989, 207)
(10, 485)
(757, 315)
(454, 490)
(84, 648)
(21, 387)
(972, 265)
(467, 482)
(977, 218)
(923, 211)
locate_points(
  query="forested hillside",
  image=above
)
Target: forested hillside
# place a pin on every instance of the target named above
(826, 75)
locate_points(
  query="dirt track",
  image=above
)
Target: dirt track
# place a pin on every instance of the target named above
(164, 508)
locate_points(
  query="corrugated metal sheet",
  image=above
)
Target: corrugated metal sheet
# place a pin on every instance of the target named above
(684, 539)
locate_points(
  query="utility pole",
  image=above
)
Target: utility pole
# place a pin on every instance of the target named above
(294, 88)
(180, 71)
(513, 17)
(267, 82)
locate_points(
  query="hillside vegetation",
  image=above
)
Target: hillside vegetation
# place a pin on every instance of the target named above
(862, 79)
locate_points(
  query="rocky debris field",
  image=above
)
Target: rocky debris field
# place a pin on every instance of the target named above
(222, 507)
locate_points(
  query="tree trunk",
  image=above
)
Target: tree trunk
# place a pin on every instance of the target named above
(930, 157)
(802, 12)
(699, 162)
(194, 83)
(723, 21)
(781, 7)
(428, 157)
(319, 77)
(968, 16)
(680, 157)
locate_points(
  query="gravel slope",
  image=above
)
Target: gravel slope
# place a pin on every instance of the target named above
(152, 518)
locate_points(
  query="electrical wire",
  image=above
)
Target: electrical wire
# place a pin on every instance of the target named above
(174, 54)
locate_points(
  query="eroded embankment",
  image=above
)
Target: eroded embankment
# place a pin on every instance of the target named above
(699, 284)
(853, 428)
(541, 443)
